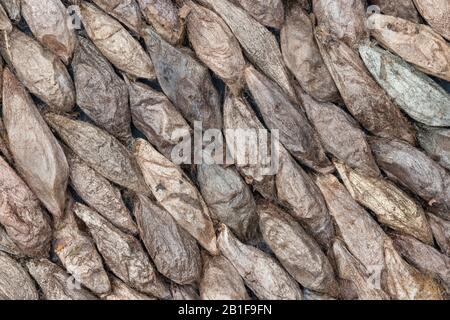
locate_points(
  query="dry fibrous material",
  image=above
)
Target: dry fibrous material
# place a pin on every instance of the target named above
(268, 12)
(99, 193)
(176, 193)
(229, 199)
(115, 43)
(123, 254)
(101, 94)
(290, 185)
(297, 192)
(24, 220)
(5, 23)
(4, 148)
(345, 20)
(120, 291)
(224, 149)
(441, 232)
(126, 11)
(417, 94)
(7, 245)
(55, 283)
(364, 98)
(302, 56)
(221, 281)
(436, 13)
(425, 258)
(297, 251)
(238, 115)
(363, 237)
(295, 132)
(101, 151)
(48, 20)
(415, 43)
(260, 46)
(340, 134)
(163, 15)
(157, 118)
(404, 9)
(315, 296)
(404, 282)
(414, 170)
(186, 292)
(185, 81)
(39, 159)
(261, 273)
(390, 204)
(216, 46)
(38, 69)
(351, 270)
(12, 7)
(174, 252)
(436, 143)
(78, 254)
(15, 282)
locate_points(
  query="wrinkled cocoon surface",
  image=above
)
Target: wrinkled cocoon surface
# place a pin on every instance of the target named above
(55, 283)
(13, 9)
(404, 9)
(302, 56)
(115, 43)
(15, 282)
(425, 258)
(21, 214)
(436, 13)
(39, 70)
(363, 97)
(157, 118)
(174, 252)
(413, 169)
(216, 46)
(120, 291)
(101, 94)
(261, 273)
(229, 199)
(221, 281)
(173, 190)
(99, 194)
(268, 12)
(238, 114)
(49, 22)
(78, 254)
(297, 251)
(37, 154)
(350, 269)
(363, 237)
(123, 254)
(185, 81)
(126, 11)
(441, 232)
(436, 143)
(7, 245)
(295, 132)
(5, 23)
(163, 15)
(101, 151)
(415, 43)
(417, 94)
(344, 19)
(405, 282)
(260, 46)
(390, 204)
(340, 134)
